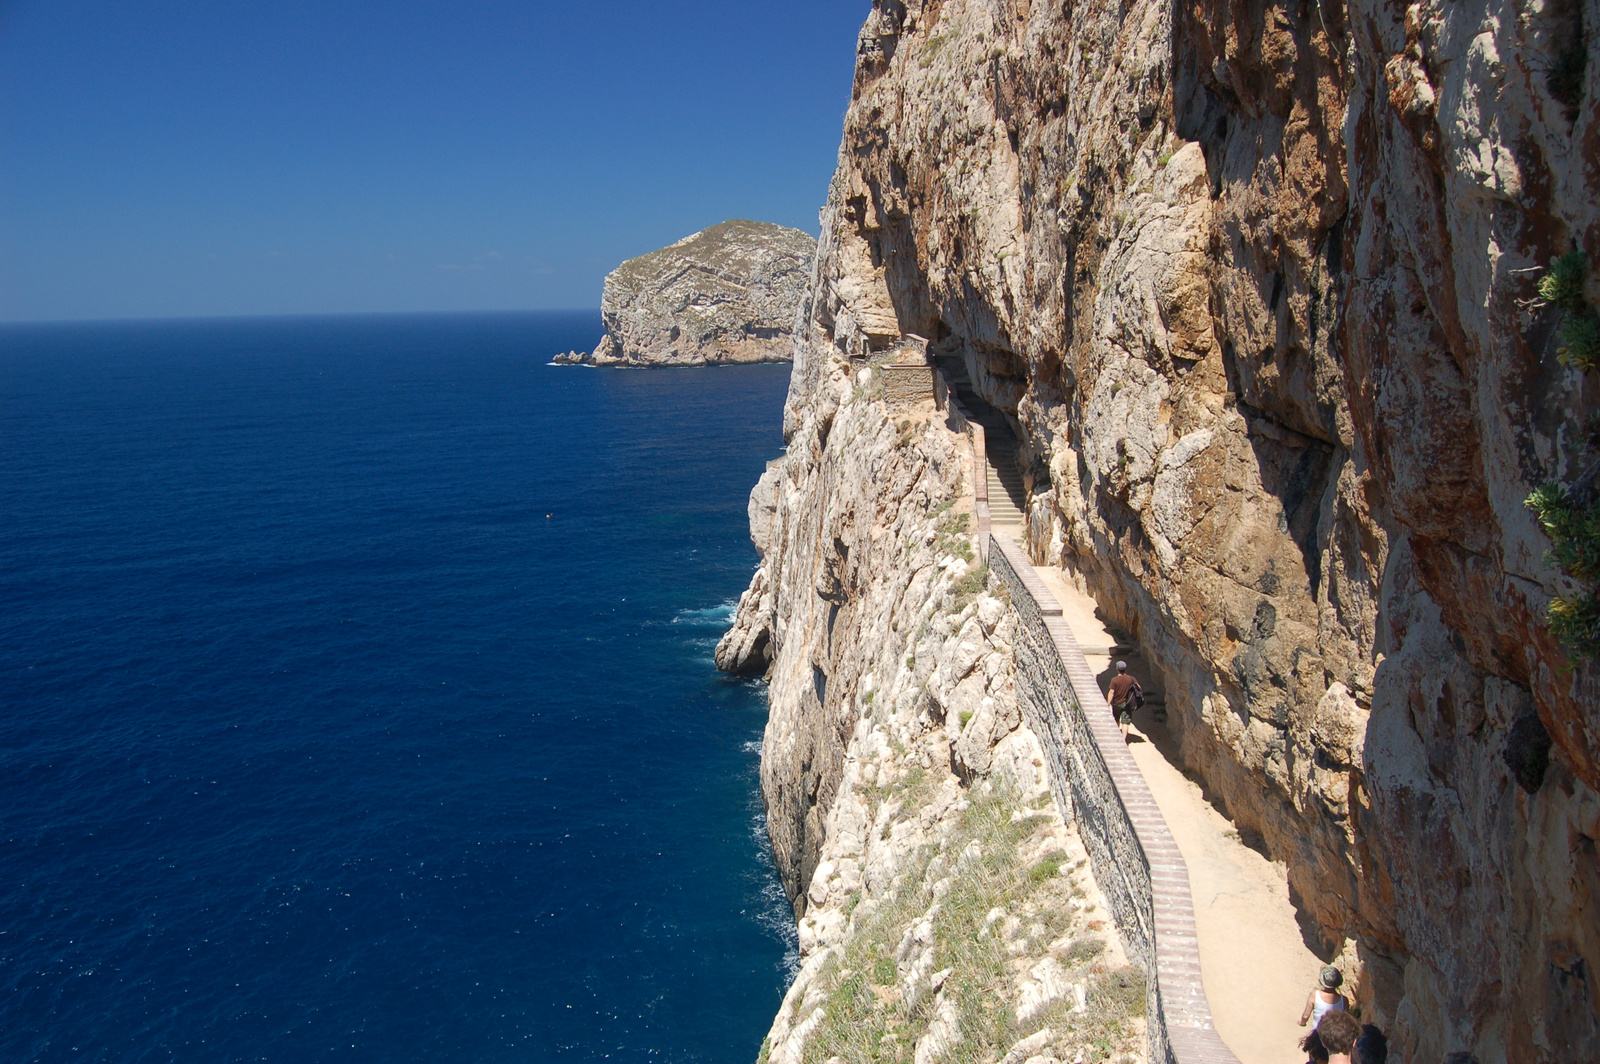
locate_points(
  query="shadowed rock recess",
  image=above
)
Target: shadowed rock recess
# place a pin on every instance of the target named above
(726, 294)
(1256, 288)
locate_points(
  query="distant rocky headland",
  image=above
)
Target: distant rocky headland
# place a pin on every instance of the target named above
(727, 294)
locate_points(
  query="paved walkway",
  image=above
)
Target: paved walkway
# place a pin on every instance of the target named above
(1255, 967)
(1254, 964)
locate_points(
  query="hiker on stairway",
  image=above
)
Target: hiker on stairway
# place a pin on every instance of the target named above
(1125, 696)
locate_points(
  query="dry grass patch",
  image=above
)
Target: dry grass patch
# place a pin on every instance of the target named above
(997, 916)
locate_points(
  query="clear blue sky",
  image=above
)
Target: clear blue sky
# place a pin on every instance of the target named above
(173, 158)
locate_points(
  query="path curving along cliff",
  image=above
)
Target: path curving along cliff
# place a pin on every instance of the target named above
(1257, 291)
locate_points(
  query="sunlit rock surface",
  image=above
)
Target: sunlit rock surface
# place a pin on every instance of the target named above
(726, 294)
(1256, 287)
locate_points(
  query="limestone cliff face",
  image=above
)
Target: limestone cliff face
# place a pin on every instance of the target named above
(1256, 286)
(945, 909)
(723, 295)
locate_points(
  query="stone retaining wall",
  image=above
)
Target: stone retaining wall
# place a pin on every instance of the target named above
(1136, 862)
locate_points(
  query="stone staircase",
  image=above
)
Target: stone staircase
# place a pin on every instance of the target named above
(1007, 497)
(1007, 503)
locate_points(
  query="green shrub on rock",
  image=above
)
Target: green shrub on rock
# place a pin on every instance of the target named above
(1575, 620)
(1563, 285)
(1574, 531)
(1580, 340)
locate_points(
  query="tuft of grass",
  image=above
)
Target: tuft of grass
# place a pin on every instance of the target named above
(1574, 532)
(1164, 158)
(1562, 286)
(1572, 523)
(1047, 867)
(953, 530)
(966, 718)
(1118, 993)
(766, 1050)
(1575, 620)
(955, 524)
(867, 1021)
(969, 587)
(1580, 340)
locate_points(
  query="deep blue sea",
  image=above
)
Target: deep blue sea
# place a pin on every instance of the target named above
(356, 697)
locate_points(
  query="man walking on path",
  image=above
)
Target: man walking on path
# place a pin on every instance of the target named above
(1125, 696)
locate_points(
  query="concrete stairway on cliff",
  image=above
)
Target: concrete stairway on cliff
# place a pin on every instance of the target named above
(1244, 942)
(1007, 495)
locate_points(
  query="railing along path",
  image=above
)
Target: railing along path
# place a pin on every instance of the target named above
(1096, 780)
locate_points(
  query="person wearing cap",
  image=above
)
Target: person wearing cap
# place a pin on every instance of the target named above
(1325, 997)
(1121, 686)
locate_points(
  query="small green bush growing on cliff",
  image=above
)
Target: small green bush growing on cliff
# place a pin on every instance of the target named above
(969, 587)
(1563, 285)
(1574, 531)
(952, 529)
(1575, 620)
(1571, 517)
(1580, 341)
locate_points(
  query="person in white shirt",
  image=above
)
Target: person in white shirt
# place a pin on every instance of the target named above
(1325, 997)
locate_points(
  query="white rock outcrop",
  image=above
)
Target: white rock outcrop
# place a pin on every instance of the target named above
(726, 294)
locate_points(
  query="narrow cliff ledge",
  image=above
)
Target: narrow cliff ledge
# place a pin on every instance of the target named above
(1256, 290)
(727, 294)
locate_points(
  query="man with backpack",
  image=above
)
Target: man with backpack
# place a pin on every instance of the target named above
(1126, 696)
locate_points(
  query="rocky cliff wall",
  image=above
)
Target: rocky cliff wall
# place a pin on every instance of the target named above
(1256, 285)
(945, 909)
(726, 294)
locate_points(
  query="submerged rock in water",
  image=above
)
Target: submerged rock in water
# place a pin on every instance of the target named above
(726, 294)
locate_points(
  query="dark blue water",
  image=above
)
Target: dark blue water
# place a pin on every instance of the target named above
(356, 697)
